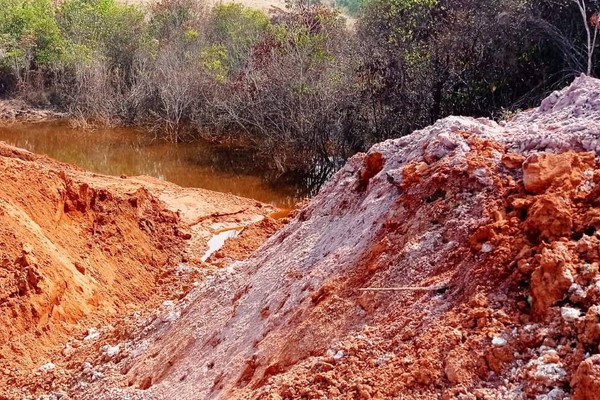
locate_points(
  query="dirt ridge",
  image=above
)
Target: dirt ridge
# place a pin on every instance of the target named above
(81, 252)
(500, 217)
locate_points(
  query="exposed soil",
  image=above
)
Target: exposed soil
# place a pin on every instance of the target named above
(249, 239)
(460, 262)
(84, 255)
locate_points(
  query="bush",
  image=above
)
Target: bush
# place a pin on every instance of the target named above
(236, 28)
(30, 37)
(298, 86)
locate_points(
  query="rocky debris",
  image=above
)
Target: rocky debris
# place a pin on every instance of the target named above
(46, 368)
(458, 262)
(586, 380)
(109, 352)
(92, 334)
(19, 111)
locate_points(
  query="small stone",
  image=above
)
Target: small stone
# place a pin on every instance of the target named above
(68, 350)
(79, 267)
(96, 376)
(383, 359)
(487, 248)
(570, 314)
(27, 248)
(46, 367)
(110, 351)
(554, 394)
(93, 334)
(339, 355)
(168, 304)
(499, 341)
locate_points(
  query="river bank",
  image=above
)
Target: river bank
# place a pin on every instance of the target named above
(19, 111)
(131, 151)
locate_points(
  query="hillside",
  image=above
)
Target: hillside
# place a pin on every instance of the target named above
(460, 262)
(86, 257)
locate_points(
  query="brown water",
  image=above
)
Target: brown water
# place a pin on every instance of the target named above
(125, 151)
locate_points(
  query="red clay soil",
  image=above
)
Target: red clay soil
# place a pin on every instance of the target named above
(460, 262)
(83, 255)
(250, 238)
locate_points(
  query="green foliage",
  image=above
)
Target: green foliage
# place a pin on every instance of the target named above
(397, 22)
(299, 84)
(171, 19)
(237, 28)
(215, 61)
(29, 33)
(102, 28)
(235, 23)
(352, 7)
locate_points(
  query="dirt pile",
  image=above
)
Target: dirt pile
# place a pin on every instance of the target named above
(460, 262)
(85, 258)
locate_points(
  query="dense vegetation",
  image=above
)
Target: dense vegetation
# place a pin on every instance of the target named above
(300, 85)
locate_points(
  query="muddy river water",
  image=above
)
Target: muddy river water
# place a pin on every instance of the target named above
(132, 152)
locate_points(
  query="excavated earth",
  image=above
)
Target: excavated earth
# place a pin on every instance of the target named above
(460, 262)
(85, 258)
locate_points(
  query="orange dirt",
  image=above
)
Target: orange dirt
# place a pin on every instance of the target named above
(79, 252)
(460, 262)
(465, 344)
(249, 239)
(481, 286)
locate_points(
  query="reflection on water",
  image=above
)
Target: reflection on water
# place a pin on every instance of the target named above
(124, 151)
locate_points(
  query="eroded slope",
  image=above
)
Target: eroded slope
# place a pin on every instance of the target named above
(481, 239)
(84, 256)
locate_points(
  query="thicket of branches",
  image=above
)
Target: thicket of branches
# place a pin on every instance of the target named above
(302, 86)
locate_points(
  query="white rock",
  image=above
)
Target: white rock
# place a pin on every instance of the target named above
(46, 367)
(110, 351)
(339, 355)
(570, 314)
(554, 394)
(486, 247)
(499, 341)
(93, 334)
(171, 316)
(168, 304)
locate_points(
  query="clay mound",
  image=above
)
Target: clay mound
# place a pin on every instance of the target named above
(85, 257)
(68, 251)
(460, 262)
